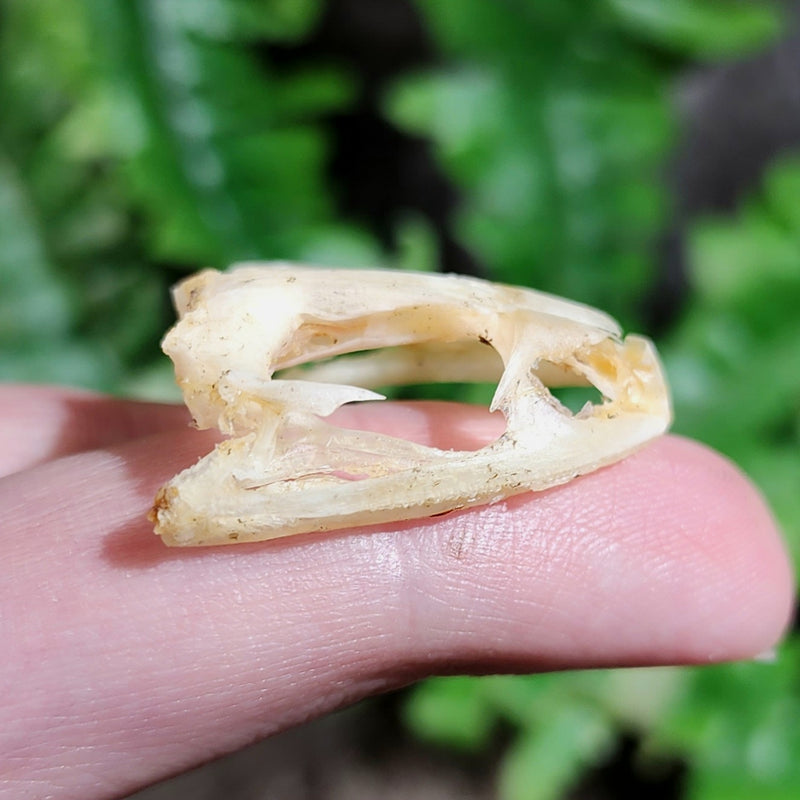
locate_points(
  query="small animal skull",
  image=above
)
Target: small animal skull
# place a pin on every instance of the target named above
(286, 470)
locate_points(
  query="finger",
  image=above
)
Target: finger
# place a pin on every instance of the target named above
(38, 423)
(132, 661)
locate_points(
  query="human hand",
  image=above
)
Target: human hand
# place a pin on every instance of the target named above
(125, 661)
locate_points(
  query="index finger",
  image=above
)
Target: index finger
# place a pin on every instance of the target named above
(142, 660)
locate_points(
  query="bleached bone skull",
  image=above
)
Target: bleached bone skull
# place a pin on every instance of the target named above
(286, 470)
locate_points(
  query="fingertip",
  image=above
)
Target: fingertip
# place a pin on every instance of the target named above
(735, 547)
(668, 557)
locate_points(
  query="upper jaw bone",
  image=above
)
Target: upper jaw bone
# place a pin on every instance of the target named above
(287, 470)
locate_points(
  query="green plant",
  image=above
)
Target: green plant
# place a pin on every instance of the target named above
(554, 120)
(140, 139)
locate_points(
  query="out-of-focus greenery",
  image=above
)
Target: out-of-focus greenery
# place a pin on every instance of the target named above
(553, 118)
(734, 361)
(140, 139)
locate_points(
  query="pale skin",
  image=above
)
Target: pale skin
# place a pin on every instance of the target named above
(125, 661)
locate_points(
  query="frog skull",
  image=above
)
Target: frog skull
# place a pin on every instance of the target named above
(286, 470)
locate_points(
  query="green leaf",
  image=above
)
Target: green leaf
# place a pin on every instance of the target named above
(782, 193)
(33, 304)
(450, 711)
(416, 245)
(704, 28)
(341, 245)
(221, 164)
(546, 759)
(737, 786)
(737, 723)
(730, 263)
(555, 138)
(273, 19)
(775, 467)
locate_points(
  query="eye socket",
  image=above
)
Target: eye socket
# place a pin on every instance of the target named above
(575, 398)
(572, 391)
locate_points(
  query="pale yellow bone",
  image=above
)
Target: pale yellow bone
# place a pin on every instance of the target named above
(285, 470)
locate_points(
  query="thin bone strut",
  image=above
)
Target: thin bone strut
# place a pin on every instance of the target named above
(285, 470)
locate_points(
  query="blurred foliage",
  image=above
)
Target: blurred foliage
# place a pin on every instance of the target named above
(734, 361)
(553, 119)
(140, 139)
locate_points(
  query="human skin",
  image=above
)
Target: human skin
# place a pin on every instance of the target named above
(125, 661)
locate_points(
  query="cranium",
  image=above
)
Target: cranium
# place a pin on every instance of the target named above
(287, 470)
